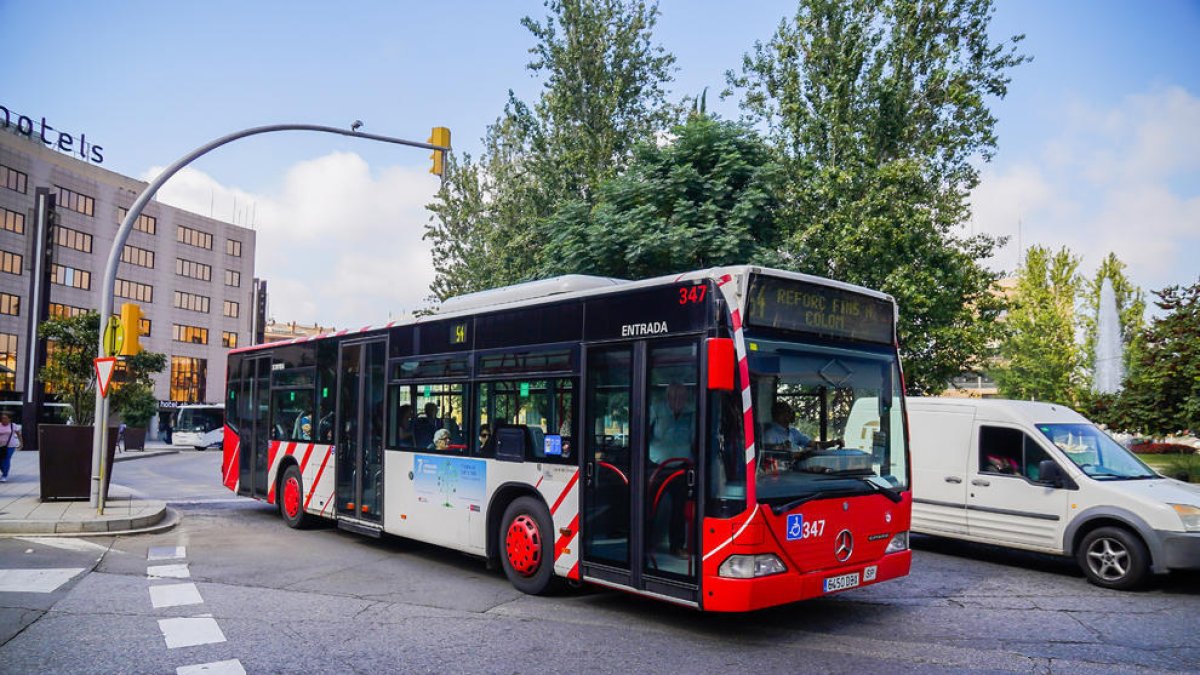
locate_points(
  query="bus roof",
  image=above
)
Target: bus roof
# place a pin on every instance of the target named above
(572, 286)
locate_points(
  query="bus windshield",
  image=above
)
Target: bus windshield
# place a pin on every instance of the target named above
(202, 420)
(1093, 451)
(828, 421)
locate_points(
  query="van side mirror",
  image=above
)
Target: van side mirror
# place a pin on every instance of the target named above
(1050, 472)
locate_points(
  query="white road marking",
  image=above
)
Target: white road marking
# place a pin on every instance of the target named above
(65, 543)
(166, 553)
(174, 595)
(190, 632)
(179, 571)
(36, 581)
(232, 667)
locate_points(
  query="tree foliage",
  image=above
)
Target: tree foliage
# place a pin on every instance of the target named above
(70, 370)
(706, 197)
(1162, 389)
(133, 399)
(603, 93)
(878, 110)
(1039, 358)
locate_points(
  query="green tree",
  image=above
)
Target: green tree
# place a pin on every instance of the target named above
(705, 197)
(1131, 310)
(133, 399)
(878, 111)
(1162, 389)
(70, 364)
(604, 93)
(1039, 358)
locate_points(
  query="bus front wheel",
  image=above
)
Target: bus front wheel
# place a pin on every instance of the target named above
(291, 498)
(527, 545)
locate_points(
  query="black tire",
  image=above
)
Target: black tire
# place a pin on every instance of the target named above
(1113, 557)
(290, 496)
(526, 546)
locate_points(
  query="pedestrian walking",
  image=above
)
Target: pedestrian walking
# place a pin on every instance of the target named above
(10, 442)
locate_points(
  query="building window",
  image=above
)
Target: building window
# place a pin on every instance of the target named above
(60, 310)
(193, 334)
(144, 223)
(10, 304)
(233, 247)
(137, 256)
(188, 379)
(144, 327)
(132, 290)
(10, 262)
(228, 340)
(233, 278)
(193, 269)
(69, 276)
(80, 241)
(191, 301)
(13, 179)
(193, 237)
(8, 359)
(14, 221)
(231, 309)
(74, 201)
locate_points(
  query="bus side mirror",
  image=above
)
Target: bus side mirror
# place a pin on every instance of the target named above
(721, 363)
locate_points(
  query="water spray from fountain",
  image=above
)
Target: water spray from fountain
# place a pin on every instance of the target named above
(1110, 351)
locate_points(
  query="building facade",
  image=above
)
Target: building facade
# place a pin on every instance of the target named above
(192, 276)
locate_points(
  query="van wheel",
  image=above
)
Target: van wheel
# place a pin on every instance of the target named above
(527, 545)
(291, 499)
(1113, 557)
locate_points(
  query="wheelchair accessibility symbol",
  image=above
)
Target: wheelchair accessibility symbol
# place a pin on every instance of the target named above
(795, 526)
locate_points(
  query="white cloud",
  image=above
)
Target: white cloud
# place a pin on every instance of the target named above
(1119, 180)
(338, 244)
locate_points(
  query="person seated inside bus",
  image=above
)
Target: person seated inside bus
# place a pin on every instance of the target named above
(441, 440)
(672, 437)
(485, 435)
(302, 427)
(781, 435)
(426, 425)
(404, 423)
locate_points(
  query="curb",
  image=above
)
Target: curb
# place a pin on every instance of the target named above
(142, 454)
(159, 521)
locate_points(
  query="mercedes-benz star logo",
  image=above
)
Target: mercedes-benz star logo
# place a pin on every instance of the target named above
(843, 546)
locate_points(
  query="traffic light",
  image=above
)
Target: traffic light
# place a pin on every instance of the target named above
(131, 319)
(440, 136)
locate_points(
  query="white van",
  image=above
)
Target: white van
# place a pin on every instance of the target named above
(1041, 477)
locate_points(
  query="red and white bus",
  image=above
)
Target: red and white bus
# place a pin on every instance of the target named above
(727, 439)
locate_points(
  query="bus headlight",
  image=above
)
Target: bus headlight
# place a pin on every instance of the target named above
(1190, 515)
(750, 566)
(897, 544)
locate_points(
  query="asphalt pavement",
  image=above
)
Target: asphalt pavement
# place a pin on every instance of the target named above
(24, 513)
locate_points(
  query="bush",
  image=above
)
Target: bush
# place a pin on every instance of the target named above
(1186, 468)
(1162, 449)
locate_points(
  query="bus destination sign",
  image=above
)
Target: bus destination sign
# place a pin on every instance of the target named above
(822, 310)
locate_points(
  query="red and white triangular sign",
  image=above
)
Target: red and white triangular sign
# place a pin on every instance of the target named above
(105, 366)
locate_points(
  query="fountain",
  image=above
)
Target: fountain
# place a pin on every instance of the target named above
(1110, 352)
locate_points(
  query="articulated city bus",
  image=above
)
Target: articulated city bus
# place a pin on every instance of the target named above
(727, 439)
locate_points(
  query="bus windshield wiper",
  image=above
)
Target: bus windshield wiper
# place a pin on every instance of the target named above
(882, 486)
(780, 509)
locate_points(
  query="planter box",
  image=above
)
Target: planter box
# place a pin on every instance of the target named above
(135, 439)
(65, 461)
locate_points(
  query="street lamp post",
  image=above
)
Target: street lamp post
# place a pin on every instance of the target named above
(100, 436)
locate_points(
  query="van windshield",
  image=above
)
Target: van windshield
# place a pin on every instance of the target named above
(1095, 452)
(826, 421)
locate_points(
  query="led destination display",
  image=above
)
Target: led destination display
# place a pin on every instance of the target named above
(832, 312)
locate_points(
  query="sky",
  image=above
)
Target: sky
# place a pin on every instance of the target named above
(1099, 136)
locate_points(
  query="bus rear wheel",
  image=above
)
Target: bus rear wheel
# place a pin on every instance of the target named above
(291, 498)
(527, 546)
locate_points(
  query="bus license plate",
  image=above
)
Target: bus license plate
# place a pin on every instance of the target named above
(841, 583)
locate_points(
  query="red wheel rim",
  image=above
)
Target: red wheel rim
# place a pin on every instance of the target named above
(291, 496)
(524, 545)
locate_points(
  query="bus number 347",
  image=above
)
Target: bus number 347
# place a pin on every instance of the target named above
(692, 294)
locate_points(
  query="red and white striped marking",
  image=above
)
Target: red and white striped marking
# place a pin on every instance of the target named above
(564, 513)
(321, 486)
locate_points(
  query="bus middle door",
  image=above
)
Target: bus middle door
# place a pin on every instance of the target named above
(359, 434)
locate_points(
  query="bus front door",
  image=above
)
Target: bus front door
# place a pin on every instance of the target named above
(639, 524)
(254, 434)
(360, 426)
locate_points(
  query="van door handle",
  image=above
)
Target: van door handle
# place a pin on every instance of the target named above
(980, 482)
(953, 479)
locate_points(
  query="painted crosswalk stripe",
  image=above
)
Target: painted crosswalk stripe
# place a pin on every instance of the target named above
(178, 571)
(174, 595)
(36, 580)
(166, 553)
(231, 667)
(65, 543)
(190, 632)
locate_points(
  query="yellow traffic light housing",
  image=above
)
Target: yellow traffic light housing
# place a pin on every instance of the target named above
(440, 136)
(131, 319)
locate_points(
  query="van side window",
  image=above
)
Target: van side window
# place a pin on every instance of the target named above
(1009, 452)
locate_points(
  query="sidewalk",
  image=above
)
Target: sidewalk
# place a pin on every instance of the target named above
(22, 513)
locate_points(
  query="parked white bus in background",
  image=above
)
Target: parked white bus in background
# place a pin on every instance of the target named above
(199, 426)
